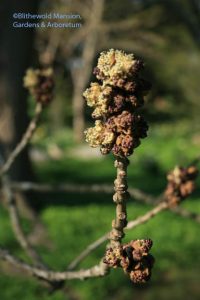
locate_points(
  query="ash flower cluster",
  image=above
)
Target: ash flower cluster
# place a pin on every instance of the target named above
(180, 184)
(40, 84)
(118, 127)
(134, 258)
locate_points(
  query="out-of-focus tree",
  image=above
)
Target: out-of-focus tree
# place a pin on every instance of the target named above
(78, 50)
(167, 41)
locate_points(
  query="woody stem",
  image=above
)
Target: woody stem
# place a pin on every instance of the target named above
(120, 197)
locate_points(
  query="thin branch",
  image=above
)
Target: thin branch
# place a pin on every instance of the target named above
(149, 215)
(16, 225)
(120, 197)
(97, 271)
(132, 224)
(18, 230)
(65, 187)
(79, 188)
(87, 251)
(24, 141)
(186, 214)
(137, 194)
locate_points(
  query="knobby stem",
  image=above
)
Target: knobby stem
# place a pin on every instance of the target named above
(120, 197)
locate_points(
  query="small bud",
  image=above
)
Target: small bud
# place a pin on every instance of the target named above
(180, 184)
(113, 256)
(40, 84)
(133, 258)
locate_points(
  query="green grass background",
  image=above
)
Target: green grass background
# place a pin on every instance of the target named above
(73, 220)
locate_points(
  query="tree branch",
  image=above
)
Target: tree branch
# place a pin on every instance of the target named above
(87, 251)
(97, 271)
(120, 197)
(24, 141)
(137, 194)
(186, 214)
(16, 225)
(132, 224)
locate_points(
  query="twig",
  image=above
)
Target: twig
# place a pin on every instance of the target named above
(65, 187)
(21, 237)
(87, 251)
(16, 225)
(120, 197)
(186, 214)
(137, 194)
(24, 141)
(132, 224)
(97, 271)
(79, 188)
(149, 215)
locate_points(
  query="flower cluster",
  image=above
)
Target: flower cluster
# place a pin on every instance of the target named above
(118, 127)
(40, 84)
(134, 258)
(180, 184)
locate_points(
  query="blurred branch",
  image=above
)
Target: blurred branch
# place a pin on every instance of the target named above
(70, 187)
(89, 249)
(131, 224)
(152, 16)
(184, 14)
(39, 270)
(186, 214)
(16, 225)
(137, 194)
(81, 75)
(24, 141)
(97, 271)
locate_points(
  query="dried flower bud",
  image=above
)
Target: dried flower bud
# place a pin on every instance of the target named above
(40, 83)
(113, 256)
(140, 248)
(141, 262)
(133, 258)
(180, 184)
(141, 272)
(192, 172)
(124, 145)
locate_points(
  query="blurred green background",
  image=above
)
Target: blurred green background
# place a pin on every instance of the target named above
(166, 34)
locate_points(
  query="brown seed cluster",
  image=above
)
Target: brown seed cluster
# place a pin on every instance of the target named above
(180, 184)
(134, 258)
(40, 84)
(118, 127)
